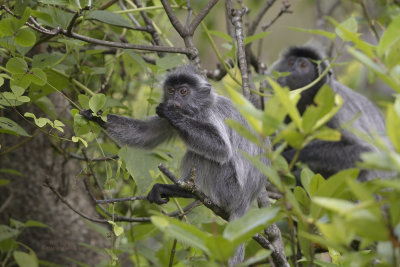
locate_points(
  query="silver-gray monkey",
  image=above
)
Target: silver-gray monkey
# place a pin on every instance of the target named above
(192, 111)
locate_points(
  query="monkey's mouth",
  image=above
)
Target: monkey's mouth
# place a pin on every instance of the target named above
(174, 103)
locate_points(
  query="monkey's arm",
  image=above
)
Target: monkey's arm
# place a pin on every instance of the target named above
(160, 193)
(201, 137)
(133, 132)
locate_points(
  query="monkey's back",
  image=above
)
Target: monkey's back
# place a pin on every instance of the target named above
(233, 184)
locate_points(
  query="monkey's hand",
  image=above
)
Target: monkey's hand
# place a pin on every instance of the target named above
(88, 114)
(170, 112)
(156, 195)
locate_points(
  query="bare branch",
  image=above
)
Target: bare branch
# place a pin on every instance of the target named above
(75, 17)
(130, 16)
(199, 18)
(279, 259)
(258, 18)
(79, 157)
(284, 10)
(108, 4)
(236, 17)
(190, 186)
(89, 163)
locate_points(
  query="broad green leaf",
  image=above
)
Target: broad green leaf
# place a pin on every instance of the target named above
(389, 37)
(18, 91)
(306, 176)
(260, 256)
(186, 233)
(393, 126)
(96, 102)
(118, 230)
(43, 61)
(8, 26)
(37, 76)
(17, 65)
(252, 222)
(25, 37)
(138, 163)
(221, 248)
(335, 185)
(25, 260)
(84, 101)
(25, 16)
(255, 37)
(243, 131)
(329, 35)
(9, 126)
(253, 116)
(393, 56)
(339, 206)
(7, 232)
(288, 101)
(170, 61)
(109, 18)
(327, 134)
(269, 172)
(10, 171)
(316, 182)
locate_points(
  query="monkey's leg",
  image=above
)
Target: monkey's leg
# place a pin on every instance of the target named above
(160, 193)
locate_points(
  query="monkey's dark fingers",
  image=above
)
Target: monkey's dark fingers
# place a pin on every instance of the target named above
(88, 114)
(160, 110)
(156, 195)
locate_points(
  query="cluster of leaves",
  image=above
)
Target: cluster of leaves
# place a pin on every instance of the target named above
(329, 213)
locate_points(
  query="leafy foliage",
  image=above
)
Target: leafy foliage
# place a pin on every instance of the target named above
(330, 214)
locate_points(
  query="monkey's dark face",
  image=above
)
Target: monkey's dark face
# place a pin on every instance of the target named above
(302, 72)
(187, 91)
(177, 95)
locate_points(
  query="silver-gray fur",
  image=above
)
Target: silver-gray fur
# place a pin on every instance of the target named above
(325, 157)
(194, 112)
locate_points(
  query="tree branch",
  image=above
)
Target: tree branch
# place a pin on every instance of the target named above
(191, 187)
(173, 19)
(284, 10)
(258, 18)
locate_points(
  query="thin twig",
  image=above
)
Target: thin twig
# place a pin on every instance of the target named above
(369, 19)
(49, 185)
(36, 26)
(284, 10)
(199, 18)
(114, 200)
(173, 19)
(79, 157)
(258, 18)
(278, 259)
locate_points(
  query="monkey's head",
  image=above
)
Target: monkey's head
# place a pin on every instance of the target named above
(305, 64)
(187, 90)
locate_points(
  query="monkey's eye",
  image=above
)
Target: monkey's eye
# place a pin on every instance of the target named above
(303, 64)
(291, 62)
(171, 91)
(183, 91)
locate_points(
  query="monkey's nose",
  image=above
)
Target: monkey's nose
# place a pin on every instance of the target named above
(175, 103)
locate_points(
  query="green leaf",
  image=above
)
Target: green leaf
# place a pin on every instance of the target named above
(25, 260)
(25, 37)
(389, 37)
(110, 18)
(269, 172)
(8, 26)
(222, 35)
(255, 37)
(18, 91)
(252, 222)
(43, 61)
(37, 76)
(340, 206)
(76, 139)
(9, 126)
(7, 232)
(118, 230)
(376, 68)
(170, 61)
(288, 101)
(393, 126)
(33, 223)
(96, 102)
(10, 171)
(138, 163)
(17, 65)
(4, 182)
(186, 233)
(25, 16)
(54, 2)
(329, 35)
(243, 131)
(84, 101)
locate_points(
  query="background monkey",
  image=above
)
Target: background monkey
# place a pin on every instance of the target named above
(305, 64)
(193, 111)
